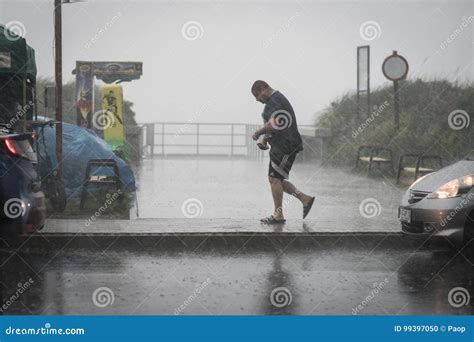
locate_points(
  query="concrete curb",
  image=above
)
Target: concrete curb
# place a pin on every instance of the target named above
(204, 242)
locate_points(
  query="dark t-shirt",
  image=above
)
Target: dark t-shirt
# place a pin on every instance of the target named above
(285, 137)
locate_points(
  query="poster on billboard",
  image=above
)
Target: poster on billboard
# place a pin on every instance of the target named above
(111, 120)
(108, 72)
(84, 93)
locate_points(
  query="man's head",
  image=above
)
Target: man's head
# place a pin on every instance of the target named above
(262, 91)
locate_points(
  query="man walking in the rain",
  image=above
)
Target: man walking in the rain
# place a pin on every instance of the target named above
(281, 132)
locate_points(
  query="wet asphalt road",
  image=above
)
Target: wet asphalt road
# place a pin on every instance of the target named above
(139, 275)
(342, 280)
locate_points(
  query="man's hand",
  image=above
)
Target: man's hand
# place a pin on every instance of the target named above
(268, 127)
(256, 135)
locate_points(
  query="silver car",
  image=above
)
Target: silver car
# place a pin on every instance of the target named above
(441, 204)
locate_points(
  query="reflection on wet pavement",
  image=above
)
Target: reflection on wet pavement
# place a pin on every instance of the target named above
(310, 282)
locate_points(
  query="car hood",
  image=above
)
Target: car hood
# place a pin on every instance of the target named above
(434, 180)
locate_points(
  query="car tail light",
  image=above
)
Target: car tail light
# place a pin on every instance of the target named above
(11, 147)
(20, 148)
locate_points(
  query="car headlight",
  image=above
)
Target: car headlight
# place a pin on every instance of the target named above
(454, 188)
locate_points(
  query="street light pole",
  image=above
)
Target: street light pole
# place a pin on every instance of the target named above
(59, 83)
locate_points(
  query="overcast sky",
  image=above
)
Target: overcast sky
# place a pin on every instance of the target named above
(200, 58)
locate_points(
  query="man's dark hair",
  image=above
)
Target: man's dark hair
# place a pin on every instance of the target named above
(259, 85)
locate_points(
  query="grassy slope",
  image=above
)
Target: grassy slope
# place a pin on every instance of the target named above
(424, 127)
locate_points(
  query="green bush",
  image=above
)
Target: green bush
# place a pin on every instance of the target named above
(424, 128)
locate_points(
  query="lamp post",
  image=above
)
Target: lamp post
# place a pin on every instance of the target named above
(59, 83)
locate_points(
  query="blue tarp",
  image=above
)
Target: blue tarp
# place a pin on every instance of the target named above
(80, 145)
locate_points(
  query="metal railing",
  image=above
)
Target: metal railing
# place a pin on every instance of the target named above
(200, 139)
(218, 139)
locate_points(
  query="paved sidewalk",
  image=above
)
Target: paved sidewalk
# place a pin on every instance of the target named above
(166, 225)
(239, 189)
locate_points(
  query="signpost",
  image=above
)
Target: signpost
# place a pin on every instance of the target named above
(363, 76)
(395, 68)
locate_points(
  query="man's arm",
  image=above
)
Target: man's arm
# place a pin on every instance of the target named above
(268, 127)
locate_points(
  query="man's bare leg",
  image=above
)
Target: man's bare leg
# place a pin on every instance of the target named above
(289, 188)
(277, 193)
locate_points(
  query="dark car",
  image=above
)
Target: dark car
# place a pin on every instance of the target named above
(441, 204)
(22, 201)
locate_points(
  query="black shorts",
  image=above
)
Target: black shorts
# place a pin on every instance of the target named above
(280, 164)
